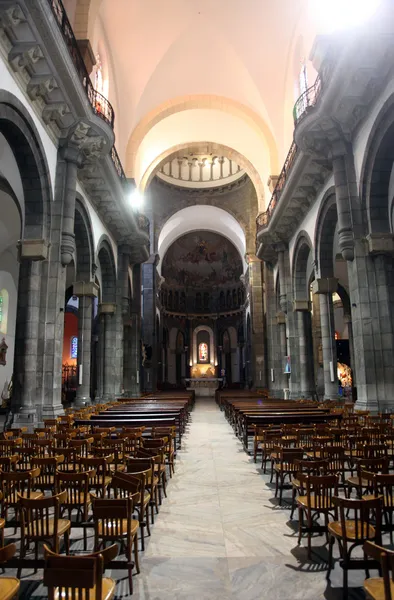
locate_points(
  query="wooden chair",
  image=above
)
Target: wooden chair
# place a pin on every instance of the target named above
(113, 522)
(383, 487)
(7, 446)
(159, 467)
(286, 466)
(168, 434)
(76, 486)
(9, 586)
(77, 578)
(268, 443)
(70, 459)
(305, 467)
(380, 588)
(101, 478)
(318, 499)
(354, 532)
(142, 464)
(82, 446)
(17, 484)
(360, 483)
(142, 507)
(116, 447)
(41, 522)
(48, 466)
(8, 463)
(2, 525)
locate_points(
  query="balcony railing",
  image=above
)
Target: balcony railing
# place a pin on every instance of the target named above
(307, 100)
(100, 105)
(264, 218)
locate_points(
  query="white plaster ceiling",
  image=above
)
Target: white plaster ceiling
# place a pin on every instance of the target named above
(235, 57)
(201, 218)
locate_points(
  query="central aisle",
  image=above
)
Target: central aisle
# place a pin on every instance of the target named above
(218, 535)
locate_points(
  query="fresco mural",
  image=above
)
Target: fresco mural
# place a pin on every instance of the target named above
(200, 260)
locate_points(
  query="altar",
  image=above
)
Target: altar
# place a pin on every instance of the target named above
(203, 380)
(203, 386)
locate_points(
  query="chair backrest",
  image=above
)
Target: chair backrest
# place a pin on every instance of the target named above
(125, 485)
(39, 514)
(386, 559)
(76, 485)
(7, 447)
(82, 446)
(108, 554)
(311, 467)
(7, 463)
(290, 455)
(73, 576)
(112, 517)
(375, 450)
(17, 483)
(367, 517)
(70, 458)
(384, 486)
(323, 488)
(48, 467)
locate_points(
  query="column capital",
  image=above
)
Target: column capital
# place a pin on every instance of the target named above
(107, 308)
(72, 154)
(85, 288)
(380, 243)
(301, 306)
(272, 181)
(33, 250)
(326, 285)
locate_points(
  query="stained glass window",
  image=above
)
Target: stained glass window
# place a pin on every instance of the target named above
(74, 347)
(203, 352)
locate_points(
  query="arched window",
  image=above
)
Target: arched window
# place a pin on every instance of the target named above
(4, 301)
(203, 352)
(100, 81)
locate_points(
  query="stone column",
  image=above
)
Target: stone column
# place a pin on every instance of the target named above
(85, 292)
(132, 357)
(108, 310)
(149, 322)
(61, 253)
(122, 316)
(325, 288)
(25, 397)
(283, 352)
(258, 364)
(307, 382)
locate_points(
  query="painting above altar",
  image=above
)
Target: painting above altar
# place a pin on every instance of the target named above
(200, 371)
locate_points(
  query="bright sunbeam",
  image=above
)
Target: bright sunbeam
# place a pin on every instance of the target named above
(136, 199)
(337, 15)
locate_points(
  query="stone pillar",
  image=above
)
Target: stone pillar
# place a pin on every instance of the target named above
(132, 357)
(304, 326)
(107, 311)
(342, 169)
(61, 253)
(122, 316)
(258, 363)
(25, 400)
(371, 286)
(149, 323)
(283, 352)
(85, 292)
(325, 288)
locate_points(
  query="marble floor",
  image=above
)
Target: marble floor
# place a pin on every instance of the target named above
(220, 534)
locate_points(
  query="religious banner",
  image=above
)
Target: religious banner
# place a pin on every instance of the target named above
(203, 352)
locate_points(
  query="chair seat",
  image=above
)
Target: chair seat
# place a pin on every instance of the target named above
(355, 482)
(295, 482)
(106, 529)
(108, 591)
(9, 587)
(62, 526)
(117, 467)
(286, 468)
(2, 523)
(71, 500)
(335, 528)
(303, 501)
(375, 588)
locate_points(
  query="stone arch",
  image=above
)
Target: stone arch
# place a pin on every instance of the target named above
(202, 101)
(83, 242)
(22, 136)
(376, 171)
(303, 251)
(230, 153)
(106, 260)
(325, 233)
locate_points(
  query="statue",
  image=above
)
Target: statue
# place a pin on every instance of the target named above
(3, 352)
(6, 394)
